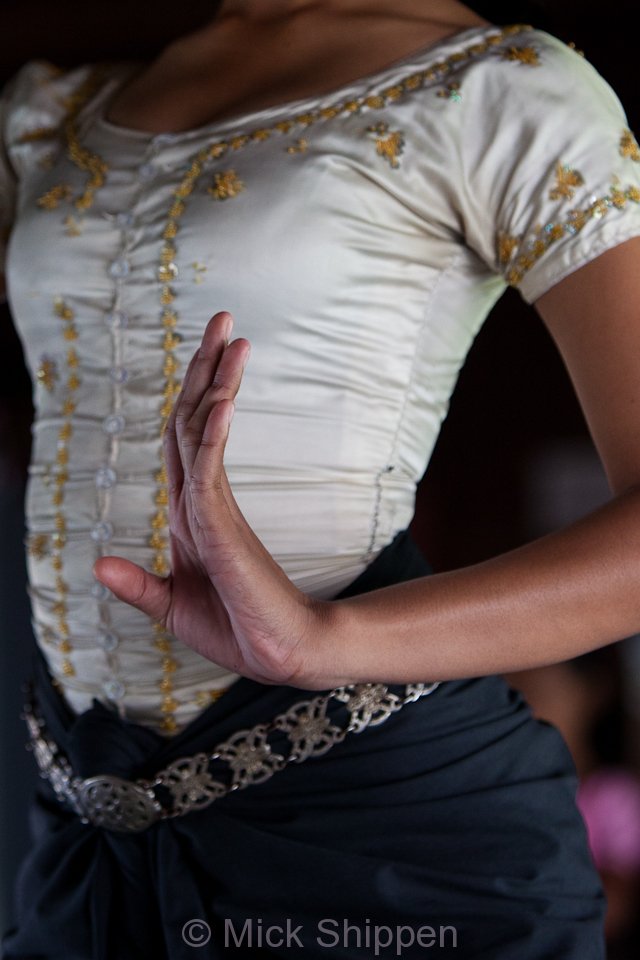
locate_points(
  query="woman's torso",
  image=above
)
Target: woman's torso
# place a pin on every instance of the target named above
(336, 229)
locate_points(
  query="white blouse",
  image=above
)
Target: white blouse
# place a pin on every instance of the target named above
(359, 238)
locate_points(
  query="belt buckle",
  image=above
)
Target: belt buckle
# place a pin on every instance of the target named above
(117, 804)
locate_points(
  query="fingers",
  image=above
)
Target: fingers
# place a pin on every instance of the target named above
(135, 586)
(197, 379)
(214, 405)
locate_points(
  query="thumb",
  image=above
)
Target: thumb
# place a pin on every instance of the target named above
(136, 586)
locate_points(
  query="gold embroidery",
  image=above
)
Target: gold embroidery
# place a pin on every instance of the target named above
(226, 185)
(38, 546)
(47, 373)
(389, 143)
(573, 47)
(629, 147)
(567, 179)
(204, 698)
(40, 133)
(546, 236)
(507, 245)
(73, 227)
(60, 478)
(451, 92)
(54, 197)
(526, 55)
(300, 146)
(200, 270)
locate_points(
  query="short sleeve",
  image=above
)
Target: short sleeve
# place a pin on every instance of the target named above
(548, 169)
(33, 105)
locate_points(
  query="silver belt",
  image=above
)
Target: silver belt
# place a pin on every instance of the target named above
(129, 806)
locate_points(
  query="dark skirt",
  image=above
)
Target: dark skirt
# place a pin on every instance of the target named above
(450, 829)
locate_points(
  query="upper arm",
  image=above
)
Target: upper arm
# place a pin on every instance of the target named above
(593, 316)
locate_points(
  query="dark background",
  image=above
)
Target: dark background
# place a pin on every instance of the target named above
(513, 459)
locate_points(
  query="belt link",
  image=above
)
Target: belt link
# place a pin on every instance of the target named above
(129, 806)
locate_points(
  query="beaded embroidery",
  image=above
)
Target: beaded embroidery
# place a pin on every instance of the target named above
(389, 143)
(47, 373)
(567, 180)
(38, 546)
(527, 55)
(546, 236)
(227, 184)
(629, 147)
(60, 478)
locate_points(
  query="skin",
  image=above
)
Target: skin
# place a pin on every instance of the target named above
(545, 602)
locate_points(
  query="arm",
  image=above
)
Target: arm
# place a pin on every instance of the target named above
(552, 599)
(561, 595)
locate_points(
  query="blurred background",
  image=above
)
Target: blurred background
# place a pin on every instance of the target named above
(514, 459)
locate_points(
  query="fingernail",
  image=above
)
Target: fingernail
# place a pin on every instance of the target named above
(228, 328)
(231, 411)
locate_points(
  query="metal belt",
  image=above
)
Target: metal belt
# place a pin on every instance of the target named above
(245, 758)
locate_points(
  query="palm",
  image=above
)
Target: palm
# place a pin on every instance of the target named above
(226, 596)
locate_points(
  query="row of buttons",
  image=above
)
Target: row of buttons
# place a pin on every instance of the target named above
(105, 478)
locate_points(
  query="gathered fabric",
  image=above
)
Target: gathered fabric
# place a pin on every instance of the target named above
(456, 814)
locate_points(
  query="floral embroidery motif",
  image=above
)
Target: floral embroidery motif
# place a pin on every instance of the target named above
(300, 146)
(226, 185)
(38, 546)
(526, 55)
(451, 92)
(47, 373)
(629, 146)
(389, 143)
(567, 180)
(200, 271)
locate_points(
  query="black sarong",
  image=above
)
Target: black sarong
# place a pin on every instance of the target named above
(450, 830)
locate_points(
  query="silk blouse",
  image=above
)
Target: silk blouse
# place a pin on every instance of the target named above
(359, 237)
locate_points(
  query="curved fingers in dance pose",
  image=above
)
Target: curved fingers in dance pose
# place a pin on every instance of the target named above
(226, 596)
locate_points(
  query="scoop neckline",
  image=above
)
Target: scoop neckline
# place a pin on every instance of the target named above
(242, 119)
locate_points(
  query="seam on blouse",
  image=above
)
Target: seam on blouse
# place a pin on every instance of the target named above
(390, 465)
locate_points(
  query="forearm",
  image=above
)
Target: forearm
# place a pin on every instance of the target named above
(552, 599)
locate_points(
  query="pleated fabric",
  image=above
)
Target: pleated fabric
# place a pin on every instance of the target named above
(457, 814)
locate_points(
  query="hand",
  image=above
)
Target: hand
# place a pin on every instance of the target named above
(226, 596)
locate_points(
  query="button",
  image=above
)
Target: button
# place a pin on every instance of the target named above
(125, 219)
(105, 478)
(119, 374)
(116, 319)
(108, 641)
(99, 591)
(119, 268)
(113, 424)
(114, 689)
(102, 532)
(148, 171)
(167, 272)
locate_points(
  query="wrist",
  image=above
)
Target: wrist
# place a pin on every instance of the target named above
(324, 664)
